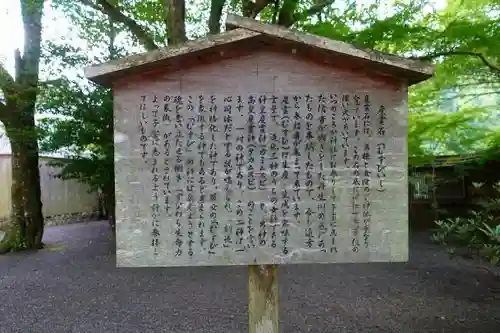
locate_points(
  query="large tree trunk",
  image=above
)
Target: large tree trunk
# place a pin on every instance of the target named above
(32, 192)
(15, 232)
(18, 115)
(26, 225)
(26, 218)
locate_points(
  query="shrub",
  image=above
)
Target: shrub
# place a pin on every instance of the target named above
(479, 232)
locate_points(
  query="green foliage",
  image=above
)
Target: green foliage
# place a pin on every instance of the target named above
(12, 240)
(93, 25)
(474, 233)
(83, 128)
(453, 133)
(78, 117)
(479, 232)
(17, 242)
(455, 39)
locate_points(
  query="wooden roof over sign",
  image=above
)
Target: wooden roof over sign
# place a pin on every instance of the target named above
(241, 30)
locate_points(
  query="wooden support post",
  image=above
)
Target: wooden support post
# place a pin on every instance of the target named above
(263, 309)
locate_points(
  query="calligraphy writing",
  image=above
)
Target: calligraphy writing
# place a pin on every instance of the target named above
(272, 173)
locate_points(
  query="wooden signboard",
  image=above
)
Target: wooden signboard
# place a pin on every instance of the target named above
(260, 146)
(212, 179)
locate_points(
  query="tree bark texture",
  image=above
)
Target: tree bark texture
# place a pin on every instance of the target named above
(216, 7)
(32, 192)
(16, 228)
(176, 21)
(16, 190)
(26, 210)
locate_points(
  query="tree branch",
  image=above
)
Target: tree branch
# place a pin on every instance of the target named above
(315, 9)
(3, 112)
(252, 9)
(92, 5)
(276, 10)
(287, 12)
(491, 66)
(19, 65)
(8, 87)
(7, 83)
(116, 15)
(318, 7)
(260, 5)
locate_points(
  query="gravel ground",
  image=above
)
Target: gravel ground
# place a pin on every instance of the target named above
(74, 287)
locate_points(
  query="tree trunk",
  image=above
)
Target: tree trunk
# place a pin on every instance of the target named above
(15, 231)
(32, 194)
(18, 115)
(16, 190)
(216, 7)
(285, 15)
(176, 21)
(108, 195)
(26, 219)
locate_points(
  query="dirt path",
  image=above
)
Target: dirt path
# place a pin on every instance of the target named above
(76, 288)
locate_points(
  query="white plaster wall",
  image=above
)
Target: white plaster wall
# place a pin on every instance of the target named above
(58, 196)
(5, 183)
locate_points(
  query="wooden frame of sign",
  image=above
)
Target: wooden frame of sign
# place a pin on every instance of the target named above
(260, 146)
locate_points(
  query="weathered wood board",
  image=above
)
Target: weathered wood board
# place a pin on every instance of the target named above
(264, 159)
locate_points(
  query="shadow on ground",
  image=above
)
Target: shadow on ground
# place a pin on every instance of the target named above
(73, 286)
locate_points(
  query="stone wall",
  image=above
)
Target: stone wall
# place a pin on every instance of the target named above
(71, 218)
(61, 219)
